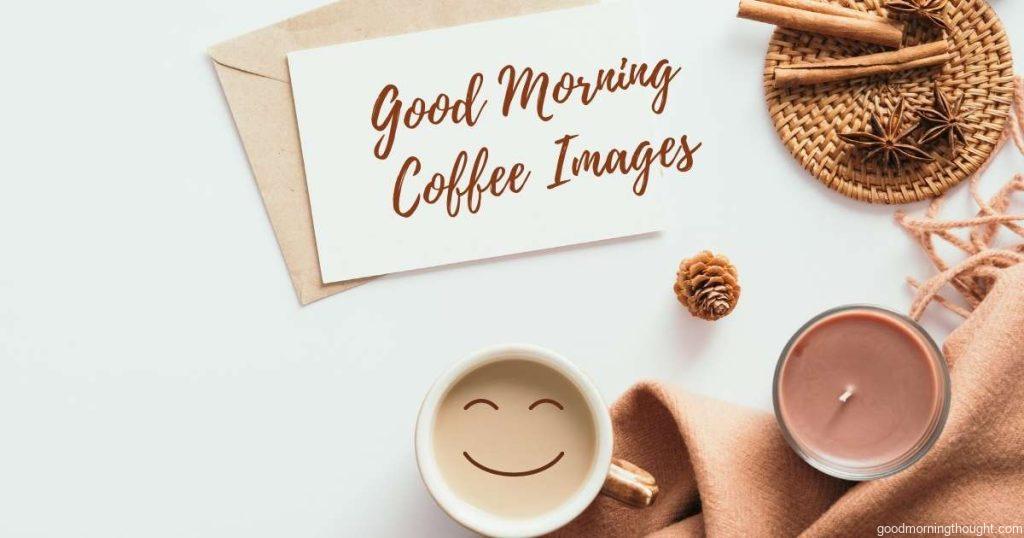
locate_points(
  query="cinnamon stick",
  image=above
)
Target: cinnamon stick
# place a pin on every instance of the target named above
(826, 19)
(819, 6)
(927, 55)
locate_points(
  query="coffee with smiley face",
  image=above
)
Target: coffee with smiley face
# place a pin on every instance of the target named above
(514, 438)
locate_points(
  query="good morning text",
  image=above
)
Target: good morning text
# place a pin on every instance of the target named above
(472, 178)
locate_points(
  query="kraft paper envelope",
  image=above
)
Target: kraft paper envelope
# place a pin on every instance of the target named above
(253, 73)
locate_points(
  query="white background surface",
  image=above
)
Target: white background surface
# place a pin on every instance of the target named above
(157, 377)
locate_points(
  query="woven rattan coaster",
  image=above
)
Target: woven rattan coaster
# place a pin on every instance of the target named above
(809, 119)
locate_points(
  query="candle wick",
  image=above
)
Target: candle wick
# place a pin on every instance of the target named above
(846, 395)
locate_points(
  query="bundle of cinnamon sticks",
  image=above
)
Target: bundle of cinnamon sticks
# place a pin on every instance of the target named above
(845, 23)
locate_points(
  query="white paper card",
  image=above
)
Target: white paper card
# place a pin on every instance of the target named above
(364, 228)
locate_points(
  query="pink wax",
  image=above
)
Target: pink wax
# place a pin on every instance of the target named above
(861, 392)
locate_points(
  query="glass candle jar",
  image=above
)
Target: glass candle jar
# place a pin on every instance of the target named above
(861, 392)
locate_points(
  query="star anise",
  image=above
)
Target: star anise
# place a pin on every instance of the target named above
(932, 11)
(887, 141)
(945, 118)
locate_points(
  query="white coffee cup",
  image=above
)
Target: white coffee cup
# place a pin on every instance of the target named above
(618, 479)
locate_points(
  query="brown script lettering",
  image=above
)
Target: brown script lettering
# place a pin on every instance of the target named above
(527, 85)
(451, 187)
(388, 113)
(671, 153)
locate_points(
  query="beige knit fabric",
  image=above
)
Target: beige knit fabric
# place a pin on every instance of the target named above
(726, 471)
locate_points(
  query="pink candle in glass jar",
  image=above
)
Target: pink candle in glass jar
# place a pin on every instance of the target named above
(861, 392)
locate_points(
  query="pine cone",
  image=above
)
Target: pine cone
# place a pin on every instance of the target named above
(708, 285)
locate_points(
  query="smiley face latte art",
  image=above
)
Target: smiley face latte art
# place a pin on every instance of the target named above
(515, 438)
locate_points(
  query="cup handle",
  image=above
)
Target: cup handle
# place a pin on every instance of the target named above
(630, 484)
